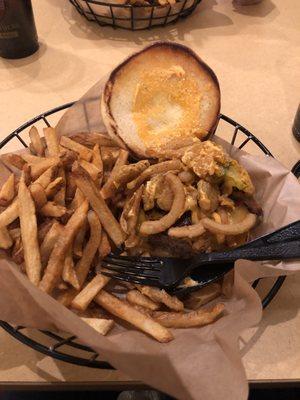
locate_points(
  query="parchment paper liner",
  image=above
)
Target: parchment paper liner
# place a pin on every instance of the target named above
(200, 362)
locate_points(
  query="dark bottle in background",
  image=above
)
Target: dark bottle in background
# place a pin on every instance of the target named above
(296, 125)
(18, 37)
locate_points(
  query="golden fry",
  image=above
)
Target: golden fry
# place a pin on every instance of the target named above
(28, 224)
(79, 240)
(104, 246)
(161, 296)
(60, 196)
(124, 311)
(188, 320)
(56, 262)
(83, 151)
(38, 194)
(36, 143)
(49, 242)
(51, 209)
(102, 326)
(10, 213)
(78, 198)
(136, 297)
(39, 168)
(5, 238)
(7, 192)
(86, 296)
(90, 139)
(91, 169)
(44, 228)
(46, 178)
(51, 141)
(107, 219)
(69, 274)
(54, 187)
(84, 264)
(31, 159)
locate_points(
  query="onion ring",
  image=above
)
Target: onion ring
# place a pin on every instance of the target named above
(152, 227)
(190, 231)
(230, 229)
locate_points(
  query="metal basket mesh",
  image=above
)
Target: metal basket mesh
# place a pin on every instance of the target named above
(134, 17)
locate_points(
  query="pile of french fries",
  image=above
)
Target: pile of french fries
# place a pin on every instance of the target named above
(58, 221)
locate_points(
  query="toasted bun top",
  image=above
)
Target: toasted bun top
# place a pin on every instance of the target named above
(159, 94)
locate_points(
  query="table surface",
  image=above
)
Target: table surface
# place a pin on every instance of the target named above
(255, 52)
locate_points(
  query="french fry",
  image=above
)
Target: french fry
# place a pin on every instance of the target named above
(5, 239)
(161, 296)
(7, 192)
(83, 266)
(44, 228)
(32, 159)
(136, 297)
(56, 262)
(104, 246)
(124, 311)
(36, 143)
(109, 156)
(53, 146)
(28, 224)
(91, 169)
(83, 151)
(49, 242)
(15, 160)
(87, 294)
(38, 194)
(203, 296)
(27, 174)
(89, 139)
(96, 157)
(10, 213)
(46, 177)
(65, 297)
(108, 188)
(51, 141)
(190, 319)
(51, 209)
(54, 187)
(69, 274)
(97, 161)
(39, 168)
(107, 219)
(78, 198)
(60, 196)
(79, 239)
(70, 187)
(102, 326)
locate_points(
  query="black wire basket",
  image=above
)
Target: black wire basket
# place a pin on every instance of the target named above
(65, 347)
(134, 17)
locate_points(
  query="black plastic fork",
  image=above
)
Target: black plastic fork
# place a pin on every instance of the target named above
(167, 272)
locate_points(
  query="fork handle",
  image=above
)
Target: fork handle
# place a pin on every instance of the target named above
(284, 234)
(275, 251)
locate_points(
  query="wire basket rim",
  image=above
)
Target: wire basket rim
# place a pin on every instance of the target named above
(134, 6)
(92, 361)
